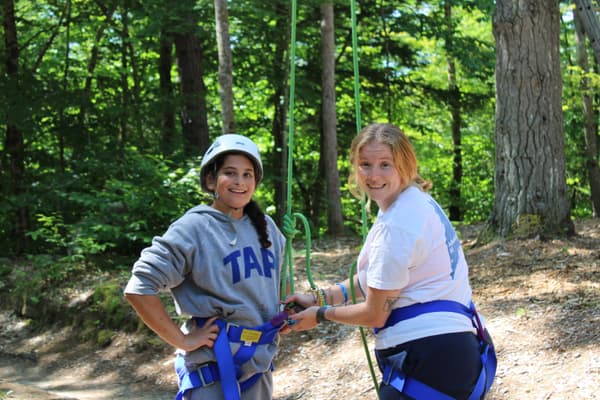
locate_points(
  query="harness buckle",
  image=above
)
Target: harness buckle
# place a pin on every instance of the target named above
(230, 325)
(393, 368)
(208, 380)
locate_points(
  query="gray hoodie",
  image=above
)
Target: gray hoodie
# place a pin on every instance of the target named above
(214, 265)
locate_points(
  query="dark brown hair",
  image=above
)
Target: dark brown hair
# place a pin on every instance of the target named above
(252, 209)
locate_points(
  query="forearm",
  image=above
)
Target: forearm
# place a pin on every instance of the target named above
(151, 310)
(337, 295)
(372, 313)
(352, 314)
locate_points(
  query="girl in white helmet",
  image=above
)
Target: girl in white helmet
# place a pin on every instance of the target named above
(221, 263)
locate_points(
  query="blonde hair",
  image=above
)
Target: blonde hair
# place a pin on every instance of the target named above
(403, 153)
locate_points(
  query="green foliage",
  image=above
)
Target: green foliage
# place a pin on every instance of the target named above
(65, 239)
(527, 226)
(31, 287)
(105, 337)
(577, 83)
(47, 290)
(97, 183)
(106, 312)
(5, 394)
(116, 207)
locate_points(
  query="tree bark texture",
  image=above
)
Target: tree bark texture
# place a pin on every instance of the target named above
(589, 20)
(225, 66)
(329, 153)
(193, 115)
(165, 63)
(530, 185)
(590, 116)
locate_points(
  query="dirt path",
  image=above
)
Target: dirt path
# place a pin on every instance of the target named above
(541, 300)
(55, 364)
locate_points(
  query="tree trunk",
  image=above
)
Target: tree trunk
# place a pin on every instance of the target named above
(455, 211)
(530, 184)
(193, 115)
(281, 102)
(165, 63)
(329, 154)
(589, 20)
(14, 146)
(589, 117)
(225, 66)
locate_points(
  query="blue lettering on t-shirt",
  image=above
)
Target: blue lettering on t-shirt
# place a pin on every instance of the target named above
(452, 243)
(235, 266)
(250, 262)
(268, 260)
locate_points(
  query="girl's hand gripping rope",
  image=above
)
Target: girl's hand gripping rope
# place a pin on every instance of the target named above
(295, 305)
(298, 301)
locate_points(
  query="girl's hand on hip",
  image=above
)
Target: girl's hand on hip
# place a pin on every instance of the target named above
(204, 335)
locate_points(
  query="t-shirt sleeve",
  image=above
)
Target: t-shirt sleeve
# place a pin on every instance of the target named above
(164, 264)
(390, 258)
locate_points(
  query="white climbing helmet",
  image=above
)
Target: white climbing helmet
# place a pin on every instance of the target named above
(230, 143)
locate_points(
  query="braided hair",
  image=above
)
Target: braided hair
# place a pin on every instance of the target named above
(257, 216)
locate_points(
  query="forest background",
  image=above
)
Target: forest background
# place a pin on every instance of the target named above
(107, 107)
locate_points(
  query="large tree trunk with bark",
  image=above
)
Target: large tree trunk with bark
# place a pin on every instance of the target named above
(329, 154)
(193, 115)
(530, 188)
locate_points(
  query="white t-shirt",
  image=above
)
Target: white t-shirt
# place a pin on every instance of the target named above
(412, 246)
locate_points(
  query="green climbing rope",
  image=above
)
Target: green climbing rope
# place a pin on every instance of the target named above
(287, 279)
(288, 270)
(352, 272)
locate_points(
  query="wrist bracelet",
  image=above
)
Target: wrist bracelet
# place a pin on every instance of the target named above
(321, 314)
(344, 292)
(321, 297)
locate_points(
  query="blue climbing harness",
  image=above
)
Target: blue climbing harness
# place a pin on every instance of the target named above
(227, 368)
(392, 374)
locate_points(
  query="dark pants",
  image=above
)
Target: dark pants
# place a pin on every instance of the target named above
(449, 363)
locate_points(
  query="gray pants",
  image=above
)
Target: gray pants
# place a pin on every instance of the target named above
(262, 389)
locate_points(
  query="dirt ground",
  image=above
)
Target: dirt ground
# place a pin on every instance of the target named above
(540, 299)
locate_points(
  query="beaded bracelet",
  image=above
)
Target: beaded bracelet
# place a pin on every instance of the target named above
(319, 297)
(344, 292)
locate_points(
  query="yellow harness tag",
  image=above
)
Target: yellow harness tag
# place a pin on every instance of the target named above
(250, 336)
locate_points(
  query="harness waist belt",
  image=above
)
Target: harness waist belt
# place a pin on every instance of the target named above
(419, 390)
(408, 312)
(227, 368)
